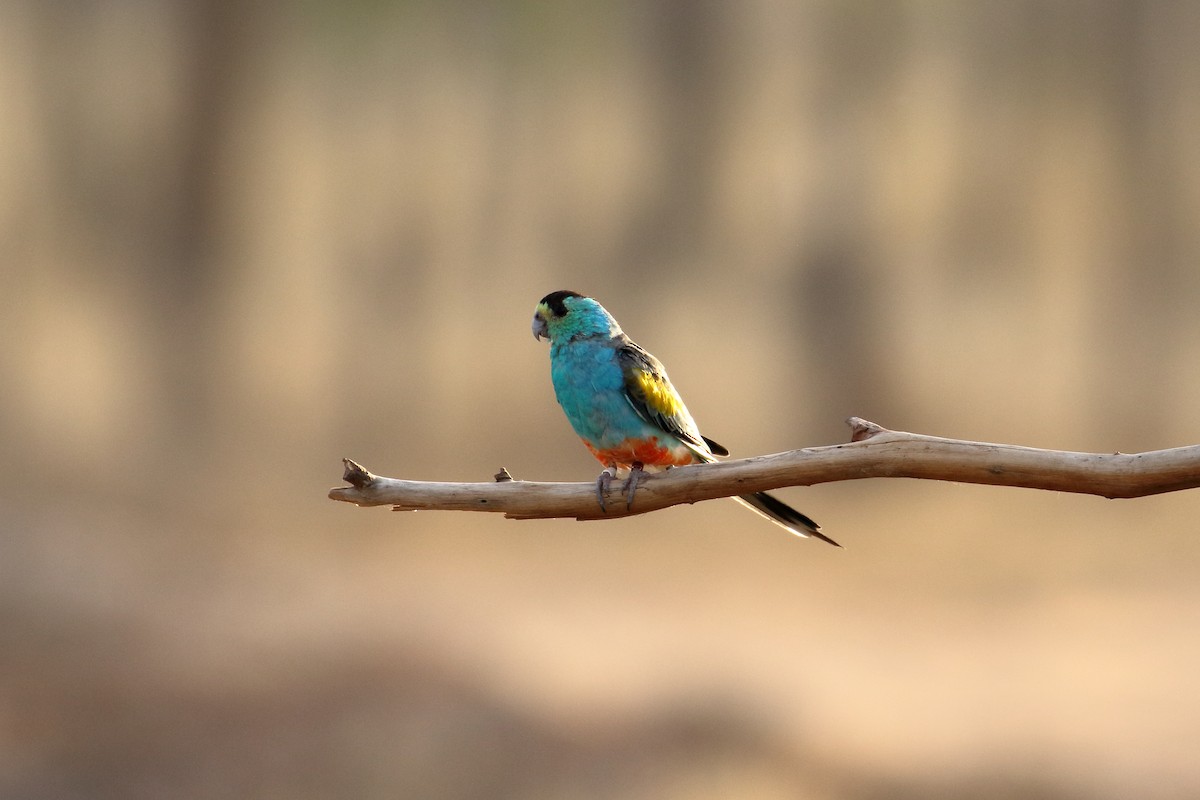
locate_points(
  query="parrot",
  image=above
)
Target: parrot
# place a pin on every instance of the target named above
(619, 400)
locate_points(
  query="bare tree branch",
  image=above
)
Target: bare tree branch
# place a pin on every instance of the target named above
(873, 452)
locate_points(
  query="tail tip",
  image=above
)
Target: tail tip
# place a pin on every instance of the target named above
(817, 534)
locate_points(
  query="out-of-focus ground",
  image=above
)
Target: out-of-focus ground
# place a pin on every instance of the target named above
(242, 241)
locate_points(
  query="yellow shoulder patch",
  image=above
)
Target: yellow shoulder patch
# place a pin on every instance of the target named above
(659, 395)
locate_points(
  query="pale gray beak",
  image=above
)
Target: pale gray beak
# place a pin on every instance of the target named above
(540, 330)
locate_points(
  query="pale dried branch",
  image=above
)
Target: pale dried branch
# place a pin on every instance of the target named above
(873, 452)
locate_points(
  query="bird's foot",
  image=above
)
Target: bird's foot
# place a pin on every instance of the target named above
(635, 477)
(602, 484)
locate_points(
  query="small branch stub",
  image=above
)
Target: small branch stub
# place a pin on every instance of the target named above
(861, 429)
(356, 475)
(873, 452)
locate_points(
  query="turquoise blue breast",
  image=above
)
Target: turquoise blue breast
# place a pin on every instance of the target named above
(591, 390)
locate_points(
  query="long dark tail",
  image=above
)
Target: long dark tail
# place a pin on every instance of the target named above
(784, 515)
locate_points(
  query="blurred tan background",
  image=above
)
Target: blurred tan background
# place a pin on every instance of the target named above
(243, 240)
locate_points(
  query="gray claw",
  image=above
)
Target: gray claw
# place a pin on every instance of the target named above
(631, 484)
(602, 484)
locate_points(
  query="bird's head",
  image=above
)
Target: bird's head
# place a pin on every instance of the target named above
(564, 315)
